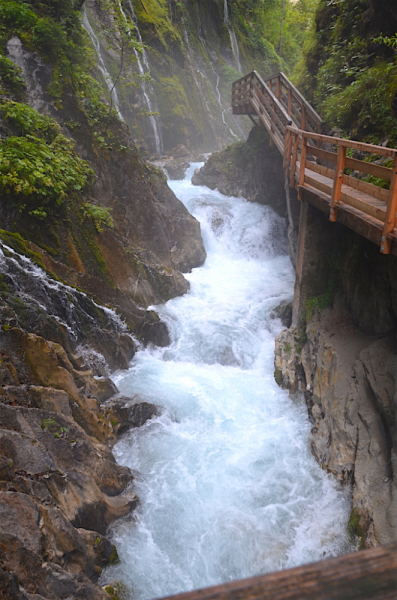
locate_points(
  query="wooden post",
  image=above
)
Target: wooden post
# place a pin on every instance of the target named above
(302, 167)
(289, 107)
(272, 123)
(294, 159)
(303, 118)
(278, 87)
(287, 151)
(335, 198)
(391, 212)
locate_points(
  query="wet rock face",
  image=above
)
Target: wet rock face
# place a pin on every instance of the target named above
(250, 169)
(350, 384)
(60, 486)
(154, 238)
(176, 169)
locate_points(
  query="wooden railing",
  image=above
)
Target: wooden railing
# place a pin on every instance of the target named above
(364, 575)
(302, 114)
(252, 96)
(323, 164)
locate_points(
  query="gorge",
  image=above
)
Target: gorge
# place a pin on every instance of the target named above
(146, 444)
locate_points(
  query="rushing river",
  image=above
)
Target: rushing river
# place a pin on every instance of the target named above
(227, 483)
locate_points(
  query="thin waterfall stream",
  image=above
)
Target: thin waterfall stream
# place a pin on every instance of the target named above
(101, 63)
(232, 35)
(227, 484)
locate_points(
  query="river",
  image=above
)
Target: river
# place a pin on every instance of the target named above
(227, 484)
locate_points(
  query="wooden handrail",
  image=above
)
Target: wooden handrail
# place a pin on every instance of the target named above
(364, 575)
(315, 116)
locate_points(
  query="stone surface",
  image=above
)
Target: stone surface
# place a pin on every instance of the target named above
(176, 169)
(60, 486)
(350, 383)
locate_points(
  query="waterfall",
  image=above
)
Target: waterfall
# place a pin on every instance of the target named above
(145, 86)
(218, 94)
(101, 64)
(233, 39)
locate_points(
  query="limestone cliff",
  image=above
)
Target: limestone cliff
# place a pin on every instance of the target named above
(342, 354)
(90, 236)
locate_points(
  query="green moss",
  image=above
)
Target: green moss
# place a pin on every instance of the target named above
(3, 286)
(17, 243)
(300, 339)
(355, 530)
(114, 557)
(278, 376)
(96, 252)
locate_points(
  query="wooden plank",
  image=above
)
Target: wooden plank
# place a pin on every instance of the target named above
(365, 575)
(330, 173)
(320, 184)
(365, 207)
(371, 148)
(365, 204)
(368, 188)
(324, 154)
(369, 168)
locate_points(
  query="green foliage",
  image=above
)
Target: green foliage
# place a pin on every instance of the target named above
(51, 425)
(350, 70)
(38, 177)
(98, 215)
(10, 78)
(364, 107)
(28, 121)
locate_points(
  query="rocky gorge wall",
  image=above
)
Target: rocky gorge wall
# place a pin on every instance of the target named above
(341, 351)
(194, 50)
(90, 236)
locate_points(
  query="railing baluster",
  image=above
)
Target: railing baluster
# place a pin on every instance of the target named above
(335, 198)
(302, 167)
(294, 159)
(391, 212)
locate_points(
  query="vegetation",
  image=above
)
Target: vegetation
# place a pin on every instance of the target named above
(38, 167)
(350, 69)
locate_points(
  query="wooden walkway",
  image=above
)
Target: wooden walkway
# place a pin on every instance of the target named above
(328, 162)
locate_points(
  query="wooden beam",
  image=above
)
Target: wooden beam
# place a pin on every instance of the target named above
(365, 575)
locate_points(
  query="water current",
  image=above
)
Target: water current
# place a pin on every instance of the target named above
(227, 484)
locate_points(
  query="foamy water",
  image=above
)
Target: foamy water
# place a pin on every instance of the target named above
(227, 483)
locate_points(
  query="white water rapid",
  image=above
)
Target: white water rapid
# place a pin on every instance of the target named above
(101, 63)
(227, 484)
(232, 34)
